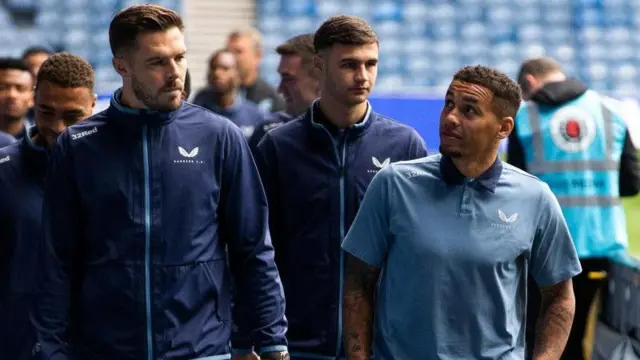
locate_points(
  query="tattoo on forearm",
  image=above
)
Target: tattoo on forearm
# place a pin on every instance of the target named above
(556, 317)
(359, 289)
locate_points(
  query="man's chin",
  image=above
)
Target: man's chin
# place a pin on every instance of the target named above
(452, 153)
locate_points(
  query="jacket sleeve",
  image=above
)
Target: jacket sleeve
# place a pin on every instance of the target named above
(417, 146)
(59, 254)
(515, 152)
(266, 161)
(259, 318)
(629, 168)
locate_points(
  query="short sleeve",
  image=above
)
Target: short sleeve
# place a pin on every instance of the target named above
(368, 238)
(553, 254)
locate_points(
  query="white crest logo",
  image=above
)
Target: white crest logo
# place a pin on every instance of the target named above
(380, 165)
(187, 154)
(510, 219)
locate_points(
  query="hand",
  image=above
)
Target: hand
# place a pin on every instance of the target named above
(248, 356)
(277, 355)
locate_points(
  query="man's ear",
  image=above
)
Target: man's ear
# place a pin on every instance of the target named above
(506, 126)
(122, 66)
(318, 62)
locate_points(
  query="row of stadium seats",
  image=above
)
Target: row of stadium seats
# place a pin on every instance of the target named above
(595, 39)
(79, 26)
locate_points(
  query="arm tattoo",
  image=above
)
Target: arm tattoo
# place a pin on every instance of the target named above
(556, 317)
(359, 289)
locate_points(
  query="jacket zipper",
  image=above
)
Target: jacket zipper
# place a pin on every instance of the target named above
(340, 158)
(147, 242)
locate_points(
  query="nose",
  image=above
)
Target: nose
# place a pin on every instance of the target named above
(361, 74)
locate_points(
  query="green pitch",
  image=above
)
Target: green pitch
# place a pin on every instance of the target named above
(632, 210)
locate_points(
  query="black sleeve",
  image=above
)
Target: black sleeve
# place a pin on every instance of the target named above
(515, 152)
(629, 168)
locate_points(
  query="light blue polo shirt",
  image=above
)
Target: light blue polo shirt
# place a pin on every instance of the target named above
(456, 253)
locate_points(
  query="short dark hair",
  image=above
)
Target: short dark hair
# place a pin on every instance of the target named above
(300, 45)
(537, 67)
(135, 20)
(507, 95)
(34, 50)
(10, 63)
(344, 30)
(66, 70)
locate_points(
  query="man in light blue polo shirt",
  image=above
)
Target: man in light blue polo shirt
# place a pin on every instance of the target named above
(456, 235)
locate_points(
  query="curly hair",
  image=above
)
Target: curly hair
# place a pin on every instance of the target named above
(66, 70)
(507, 95)
(344, 30)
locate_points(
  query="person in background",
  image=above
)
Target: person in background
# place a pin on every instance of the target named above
(224, 81)
(35, 56)
(575, 140)
(16, 96)
(247, 48)
(63, 96)
(299, 83)
(140, 202)
(442, 245)
(186, 91)
(315, 170)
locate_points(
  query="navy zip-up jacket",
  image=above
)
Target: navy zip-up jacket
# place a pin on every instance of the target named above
(22, 169)
(6, 139)
(273, 120)
(138, 208)
(315, 177)
(245, 114)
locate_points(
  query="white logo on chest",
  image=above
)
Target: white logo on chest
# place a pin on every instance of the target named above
(5, 159)
(379, 165)
(189, 156)
(506, 220)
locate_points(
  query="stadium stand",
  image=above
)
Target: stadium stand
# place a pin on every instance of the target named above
(424, 42)
(78, 26)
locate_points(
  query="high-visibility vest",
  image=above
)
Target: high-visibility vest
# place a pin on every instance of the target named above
(575, 148)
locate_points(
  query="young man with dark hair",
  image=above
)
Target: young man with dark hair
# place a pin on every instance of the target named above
(16, 96)
(224, 81)
(63, 96)
(450, 240)
(315, 170)
(577, 141)
(35, 56)
(141, 201)
(299, 83)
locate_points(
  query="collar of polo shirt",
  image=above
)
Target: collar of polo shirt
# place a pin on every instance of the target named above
(488, 179)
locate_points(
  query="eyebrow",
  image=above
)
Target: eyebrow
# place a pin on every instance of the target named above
(71, 111)
(470, 99)
(358, 60)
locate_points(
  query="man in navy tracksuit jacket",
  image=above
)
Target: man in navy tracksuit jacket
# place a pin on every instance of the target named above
(299, 84)
(140, 202)
(224, 80)
(315, 170)
(63, 96)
